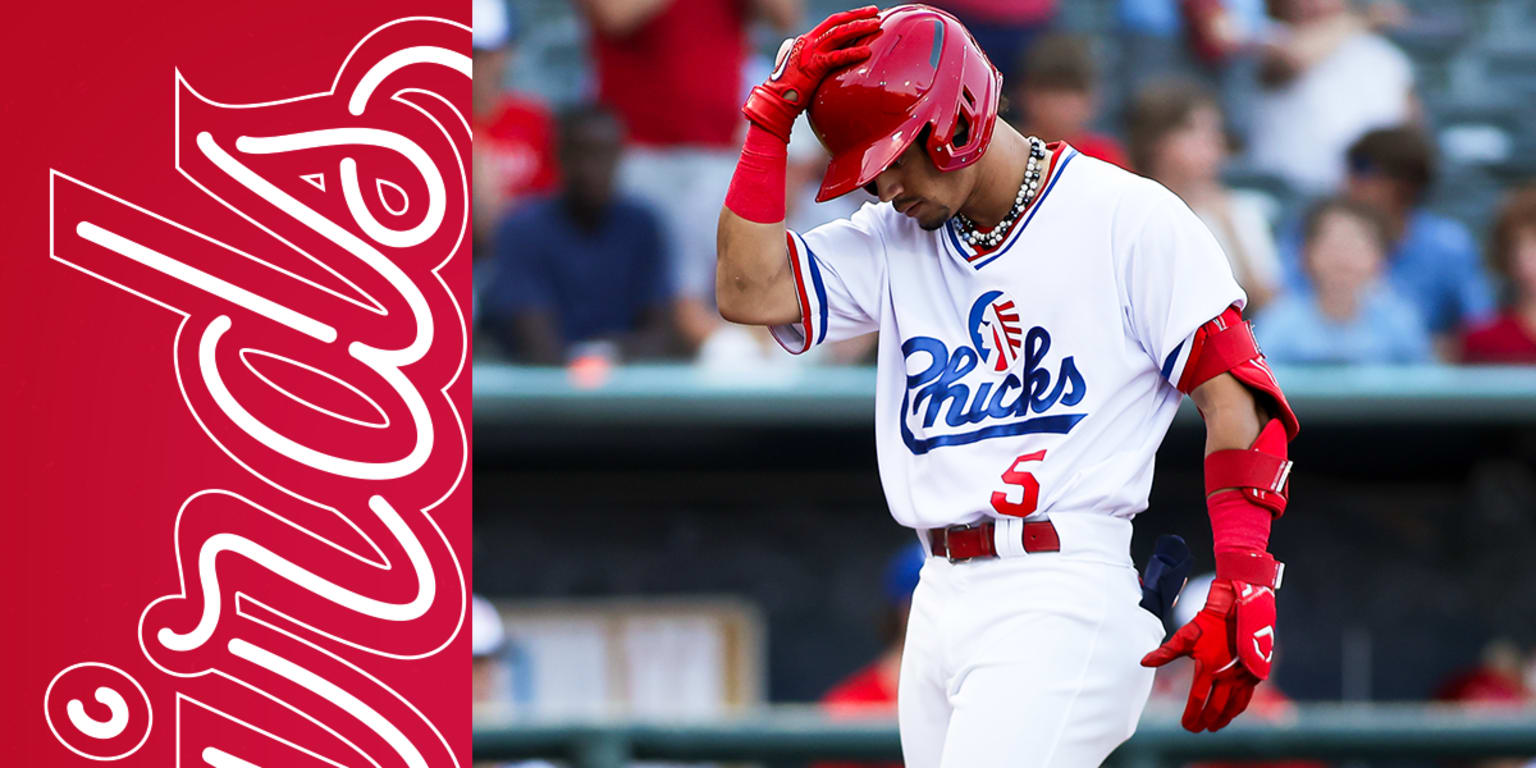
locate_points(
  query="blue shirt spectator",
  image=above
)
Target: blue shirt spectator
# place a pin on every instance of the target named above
(1385, 329)
(594, 283)
(1432, 260)
(1165, 18)
(1352, 314)
(1434, 265)
(583, 266)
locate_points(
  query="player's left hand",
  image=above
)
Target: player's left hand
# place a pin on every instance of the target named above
(802, 64)
(1231, 641)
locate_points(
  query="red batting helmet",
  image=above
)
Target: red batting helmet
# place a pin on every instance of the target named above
(924, 70)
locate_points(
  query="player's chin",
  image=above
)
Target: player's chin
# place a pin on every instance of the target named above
(933, 221)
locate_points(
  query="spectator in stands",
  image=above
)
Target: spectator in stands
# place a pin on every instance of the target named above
(806, 164)
(513, 135)
(1497, 682)
(672, 69)
(1214, 41)
(1328, 78)
(582, 269)
(487, 640)
(1005, 29)
(1352, 314)
(1510, 337)
(1433, 261)
(1057, 92)
(1174, 128)
(871, 692)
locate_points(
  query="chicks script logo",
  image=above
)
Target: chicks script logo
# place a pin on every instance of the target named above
(311, 578)
(992, 387)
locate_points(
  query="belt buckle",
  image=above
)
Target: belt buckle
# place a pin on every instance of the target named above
(949, 551)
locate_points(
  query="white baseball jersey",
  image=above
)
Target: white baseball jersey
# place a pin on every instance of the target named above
(1032, 377)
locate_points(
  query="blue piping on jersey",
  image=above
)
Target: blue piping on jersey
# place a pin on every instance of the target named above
(1173, 357)
(1055, 177)
(821, 292)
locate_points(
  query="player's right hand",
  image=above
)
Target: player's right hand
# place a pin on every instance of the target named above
(1231, 641)
(776, 103)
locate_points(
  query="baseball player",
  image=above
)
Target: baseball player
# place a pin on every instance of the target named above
(1041, 314)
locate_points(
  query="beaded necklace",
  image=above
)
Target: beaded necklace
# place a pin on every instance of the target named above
(1027, 191)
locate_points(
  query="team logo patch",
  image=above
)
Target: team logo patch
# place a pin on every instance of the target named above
(1000, 381)
(996, 332)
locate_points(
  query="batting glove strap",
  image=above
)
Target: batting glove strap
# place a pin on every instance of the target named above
(1260, 569)
(769, 110)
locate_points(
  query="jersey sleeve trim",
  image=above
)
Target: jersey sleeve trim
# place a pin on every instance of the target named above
(1173, 365)
(797, 338)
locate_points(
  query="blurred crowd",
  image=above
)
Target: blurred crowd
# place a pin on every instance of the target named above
(1292, 127)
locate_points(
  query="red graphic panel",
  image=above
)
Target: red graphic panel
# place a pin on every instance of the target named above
(236, 392)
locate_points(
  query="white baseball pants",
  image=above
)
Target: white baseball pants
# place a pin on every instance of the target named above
(1029, 660)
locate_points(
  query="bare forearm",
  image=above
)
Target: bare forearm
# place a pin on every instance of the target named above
(752, 276)
(1233, 416)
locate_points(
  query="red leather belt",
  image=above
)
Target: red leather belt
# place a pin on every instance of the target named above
(967, 542)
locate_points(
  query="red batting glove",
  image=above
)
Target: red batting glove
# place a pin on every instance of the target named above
(776, 103)
(1231, 641)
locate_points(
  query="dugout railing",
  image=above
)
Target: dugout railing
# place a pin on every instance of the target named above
(1334, 732)
(511, 396)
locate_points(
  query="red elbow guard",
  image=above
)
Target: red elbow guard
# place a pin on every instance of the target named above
(1226, 345)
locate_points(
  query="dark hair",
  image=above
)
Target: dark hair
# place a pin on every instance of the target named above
(1516, 213)
(1058, 61)
(1402, 154)
(1375, 220)
(1159, 109)
(576, 117)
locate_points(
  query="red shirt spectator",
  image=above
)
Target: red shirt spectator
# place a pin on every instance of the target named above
(513, 148)
(1495, 682)
(1510, 337)
(870, 692)
(1483, 686)
(1504, 340)
(1056, 88)
(1100, 146)
(517, 139)
(675, 79)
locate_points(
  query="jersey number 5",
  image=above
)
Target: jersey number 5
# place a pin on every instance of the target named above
(1025, 481)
